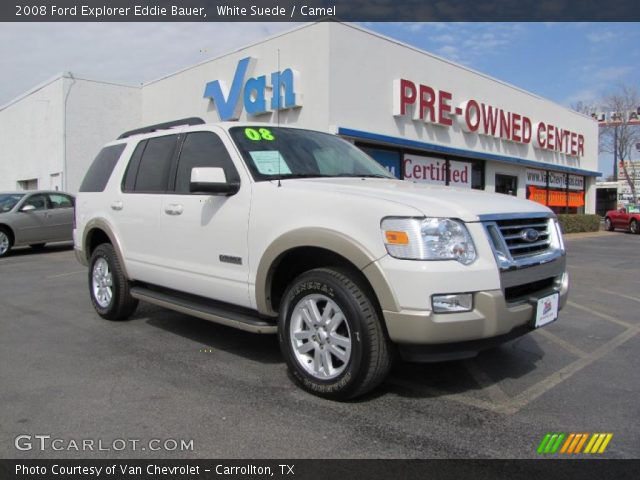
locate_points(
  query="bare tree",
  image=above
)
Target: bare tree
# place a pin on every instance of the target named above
(621, 133)
(585, 108)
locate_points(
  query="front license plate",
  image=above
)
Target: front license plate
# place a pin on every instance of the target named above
(546, 310)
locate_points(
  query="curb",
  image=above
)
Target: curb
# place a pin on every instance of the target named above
(577, 236)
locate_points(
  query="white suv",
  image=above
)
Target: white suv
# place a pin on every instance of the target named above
(299, 233)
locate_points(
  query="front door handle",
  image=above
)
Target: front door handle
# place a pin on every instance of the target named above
(173, 209)
(117, 205)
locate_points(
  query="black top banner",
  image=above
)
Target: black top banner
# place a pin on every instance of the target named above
(314, 10)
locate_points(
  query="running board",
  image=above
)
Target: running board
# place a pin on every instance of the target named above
(229, 315)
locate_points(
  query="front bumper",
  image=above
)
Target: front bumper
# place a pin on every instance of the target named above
(494, 319)
(491, 316)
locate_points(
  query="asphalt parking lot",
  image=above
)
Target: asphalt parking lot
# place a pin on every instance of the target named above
(67, 373)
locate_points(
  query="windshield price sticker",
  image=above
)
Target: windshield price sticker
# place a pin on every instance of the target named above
(259, 134)
(270, 162)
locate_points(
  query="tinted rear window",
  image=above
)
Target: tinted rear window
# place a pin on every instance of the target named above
(100, 170)
(153, 172)
(129, 181)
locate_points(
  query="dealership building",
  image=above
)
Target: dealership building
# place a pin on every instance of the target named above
(424, 118)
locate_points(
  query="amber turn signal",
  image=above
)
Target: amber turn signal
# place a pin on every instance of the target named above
(396, 238)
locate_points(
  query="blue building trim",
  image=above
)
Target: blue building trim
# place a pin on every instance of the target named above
(404, 142)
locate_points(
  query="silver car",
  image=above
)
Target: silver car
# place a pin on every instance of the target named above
(35, 218)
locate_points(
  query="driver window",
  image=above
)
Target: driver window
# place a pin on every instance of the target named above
(203, 149)
(60, 201)
(37, 201)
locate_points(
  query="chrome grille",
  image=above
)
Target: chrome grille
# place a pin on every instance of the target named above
(520, 239)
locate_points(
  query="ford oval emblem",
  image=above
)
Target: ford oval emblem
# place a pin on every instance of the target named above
(529, 235)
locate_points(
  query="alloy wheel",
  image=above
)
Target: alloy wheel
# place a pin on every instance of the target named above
(102, 283)
(4, 243)
(320, 337)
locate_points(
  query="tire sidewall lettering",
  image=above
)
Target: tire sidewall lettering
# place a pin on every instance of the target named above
(294, 295)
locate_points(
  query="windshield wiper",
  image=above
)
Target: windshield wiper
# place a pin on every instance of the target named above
(322, 175)
(364, 175)
(298, 175)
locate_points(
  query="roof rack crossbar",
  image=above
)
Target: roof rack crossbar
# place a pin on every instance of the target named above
(163, 126)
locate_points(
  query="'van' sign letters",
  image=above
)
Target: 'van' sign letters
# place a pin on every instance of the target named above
(252, 93)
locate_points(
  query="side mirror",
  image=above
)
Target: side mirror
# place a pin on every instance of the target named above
(211, 181)
(28, 208)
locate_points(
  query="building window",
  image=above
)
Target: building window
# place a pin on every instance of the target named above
(423, 167)
(389, 159)
(55, 181)
(561, 192)
(432, 170)
(454, 172)
(30, 184)
(507, 184)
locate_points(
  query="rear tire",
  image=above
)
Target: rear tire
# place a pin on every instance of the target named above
(6, 241)
(108, 286)
(331, 335)
(608, 226)
(633, 227)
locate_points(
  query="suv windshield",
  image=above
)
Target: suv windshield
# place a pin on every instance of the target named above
(273, 152)
(9, 200)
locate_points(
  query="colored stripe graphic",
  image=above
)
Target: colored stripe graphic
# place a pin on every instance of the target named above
(543, 443)
(573, 443)
(550, 443)
(598, 443)
(570, 438)
(556, 445)
(581, 443)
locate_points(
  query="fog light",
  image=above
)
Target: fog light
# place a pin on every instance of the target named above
(459, 302)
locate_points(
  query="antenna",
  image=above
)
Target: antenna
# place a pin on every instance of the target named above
(278, 122)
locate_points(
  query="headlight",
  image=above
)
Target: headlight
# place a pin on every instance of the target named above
(428, 239)
(555, 234)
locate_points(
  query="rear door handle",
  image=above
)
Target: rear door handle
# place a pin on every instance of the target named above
(117, 205)
(173, 209)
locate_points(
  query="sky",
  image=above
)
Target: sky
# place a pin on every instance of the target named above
(564, 62)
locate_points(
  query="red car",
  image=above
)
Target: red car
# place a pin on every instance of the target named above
(627, 218)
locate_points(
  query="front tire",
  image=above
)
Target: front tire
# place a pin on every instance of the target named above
(608, 226)
(6, 241)
(633, 227)
(108, 286)
(331, 335)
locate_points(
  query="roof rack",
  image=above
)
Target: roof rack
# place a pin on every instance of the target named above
(163, 126)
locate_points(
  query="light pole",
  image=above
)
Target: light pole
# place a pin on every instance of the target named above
(615, 153)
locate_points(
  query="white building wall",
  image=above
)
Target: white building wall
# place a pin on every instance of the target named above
(590, 195)
(346, 77)
(306, 50)
(31, 137)
(493, 168)
(96, 113)
(364, 66)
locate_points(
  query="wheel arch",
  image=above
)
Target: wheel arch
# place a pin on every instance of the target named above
(304, 249)
(96, 232)
(9, 230)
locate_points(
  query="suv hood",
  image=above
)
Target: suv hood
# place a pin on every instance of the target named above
(432, 200)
